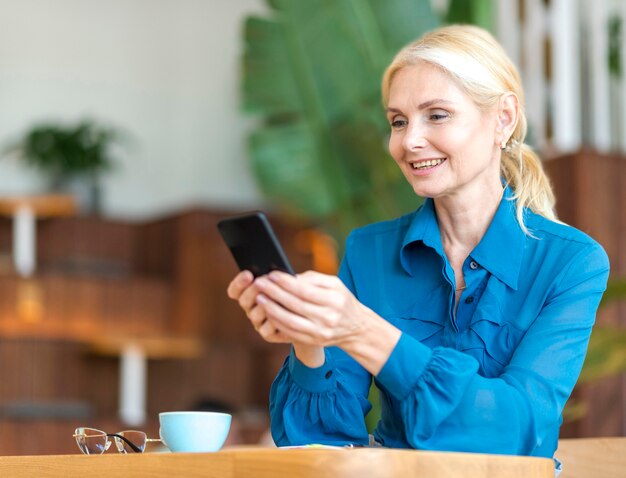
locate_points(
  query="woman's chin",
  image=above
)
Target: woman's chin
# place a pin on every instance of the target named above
(426, 192)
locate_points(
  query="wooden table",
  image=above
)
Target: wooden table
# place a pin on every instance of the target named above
(277, 463)
(591, 457)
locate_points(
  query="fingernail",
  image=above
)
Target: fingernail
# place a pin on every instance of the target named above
(274, 276)
(261, 299)
(261, 282)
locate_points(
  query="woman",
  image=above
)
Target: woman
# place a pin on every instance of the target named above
(473, 313)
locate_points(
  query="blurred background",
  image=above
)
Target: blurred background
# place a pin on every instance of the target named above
(129, 128)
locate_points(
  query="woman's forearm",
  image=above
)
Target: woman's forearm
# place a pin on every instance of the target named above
(373, 343)
(310, 355)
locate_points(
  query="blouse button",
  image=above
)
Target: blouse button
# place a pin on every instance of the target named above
(473, 265)
(469, 300)
(328, 374)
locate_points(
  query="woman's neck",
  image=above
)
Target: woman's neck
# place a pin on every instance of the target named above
(464, 218)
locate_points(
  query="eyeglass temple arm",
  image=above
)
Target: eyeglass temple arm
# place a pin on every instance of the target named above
(134, 447)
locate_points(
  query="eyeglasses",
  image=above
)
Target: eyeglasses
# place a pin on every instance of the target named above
(95, 442)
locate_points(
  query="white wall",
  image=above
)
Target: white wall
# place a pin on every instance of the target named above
(165, 70)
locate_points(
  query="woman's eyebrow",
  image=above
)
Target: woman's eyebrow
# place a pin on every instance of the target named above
(429, 103)
(424, 105)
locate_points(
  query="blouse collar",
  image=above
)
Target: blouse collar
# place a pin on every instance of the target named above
(500, 251)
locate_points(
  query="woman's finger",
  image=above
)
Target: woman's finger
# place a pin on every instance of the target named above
(239, 284)
(247, 299)
(295, 327)
(312, 277)
(257, 316)
(311, 286)
(268, 331)
(289, 301)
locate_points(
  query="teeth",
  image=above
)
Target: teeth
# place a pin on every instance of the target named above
(427, 164)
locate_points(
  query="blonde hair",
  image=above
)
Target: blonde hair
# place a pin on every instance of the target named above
(481, 67)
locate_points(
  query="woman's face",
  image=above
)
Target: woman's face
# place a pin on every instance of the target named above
(444, 144)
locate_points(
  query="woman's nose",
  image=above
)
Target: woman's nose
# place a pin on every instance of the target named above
(414, 138)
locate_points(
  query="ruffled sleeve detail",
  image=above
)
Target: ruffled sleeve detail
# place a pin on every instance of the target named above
(429, 384)
(312, 380)
(405, 366)
(320, 405)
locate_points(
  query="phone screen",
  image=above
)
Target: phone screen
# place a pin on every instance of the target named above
(253, 244)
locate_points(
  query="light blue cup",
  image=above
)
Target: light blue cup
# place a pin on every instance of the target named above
(197, 432)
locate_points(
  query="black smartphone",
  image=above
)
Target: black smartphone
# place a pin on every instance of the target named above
(253, 244)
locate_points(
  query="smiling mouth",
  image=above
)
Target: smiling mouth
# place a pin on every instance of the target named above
(431, 163)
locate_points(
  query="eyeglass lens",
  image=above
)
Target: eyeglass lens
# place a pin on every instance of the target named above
(91, 441)
(95, 442)
(124, 441)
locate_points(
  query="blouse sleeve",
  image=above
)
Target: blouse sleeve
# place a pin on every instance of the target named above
(325, 405)
(441, 392)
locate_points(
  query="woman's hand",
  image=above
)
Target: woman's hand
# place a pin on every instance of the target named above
(311, 308)
(318, 310)
(244, 290)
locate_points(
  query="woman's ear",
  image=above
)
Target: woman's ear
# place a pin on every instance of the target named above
(508, 115)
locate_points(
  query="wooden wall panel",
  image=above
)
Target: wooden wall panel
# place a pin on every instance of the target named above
(77, 307)
(156, 247)
(590, 194)
(85, 245)
(269, 361)
(39, 371)
(6, 246)
(98, 278)
(8, 294)
(194, 273)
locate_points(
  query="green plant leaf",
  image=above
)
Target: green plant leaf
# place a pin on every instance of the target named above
(312, 71)
(606, 355)
(269, 86)
(284, 159)
(615, 45)
(615, 290)
(476, 12)
(63, 151)
(575, 410)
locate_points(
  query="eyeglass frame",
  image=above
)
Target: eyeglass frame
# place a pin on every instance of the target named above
(133, 447)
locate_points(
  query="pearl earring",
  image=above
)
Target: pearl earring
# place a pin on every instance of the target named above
(503, 142)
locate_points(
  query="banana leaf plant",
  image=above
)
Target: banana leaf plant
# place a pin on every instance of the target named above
(476, 12)
(606, 355)
(312, 72)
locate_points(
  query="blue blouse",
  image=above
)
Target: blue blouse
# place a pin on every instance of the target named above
(492, 377)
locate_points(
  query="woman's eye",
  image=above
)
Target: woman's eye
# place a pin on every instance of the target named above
(438, 116)
(398, 123)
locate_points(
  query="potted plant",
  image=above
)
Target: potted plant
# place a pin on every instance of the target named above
(72, 156)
